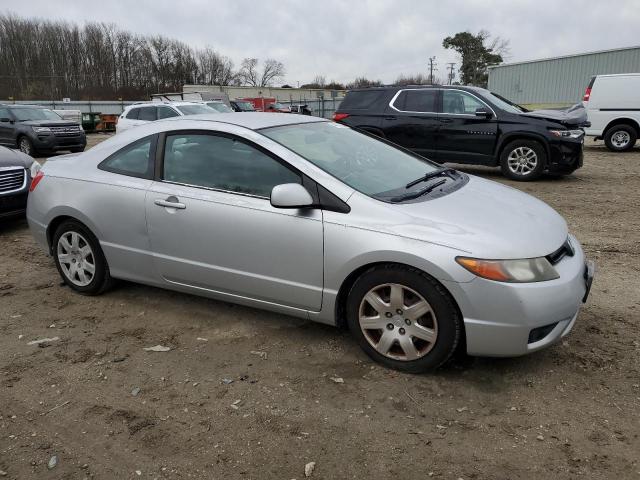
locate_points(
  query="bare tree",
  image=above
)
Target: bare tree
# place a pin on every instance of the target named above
(272, 70)
(248, 73)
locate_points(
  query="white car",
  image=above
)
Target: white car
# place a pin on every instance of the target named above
(141, 113)
(613, 107)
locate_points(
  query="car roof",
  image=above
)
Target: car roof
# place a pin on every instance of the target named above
(251, 120)
(157, 104)
(414, 87)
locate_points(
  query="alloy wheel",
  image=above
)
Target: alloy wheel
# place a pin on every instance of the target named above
(76, 258)
(620, 139)
(398, 322)
(25, 146)
(522, 160)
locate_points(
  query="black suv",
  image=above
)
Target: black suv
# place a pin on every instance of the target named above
(35, 130)
(470, 125)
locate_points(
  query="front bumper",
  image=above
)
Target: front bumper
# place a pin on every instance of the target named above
(565, 156)
(505, 319)
(54, 143)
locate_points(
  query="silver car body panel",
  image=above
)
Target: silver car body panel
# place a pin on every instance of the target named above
(295, 261)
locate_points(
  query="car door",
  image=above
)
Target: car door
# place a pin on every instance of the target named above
(411, 121)
(6, 127)
(212, 226)
(464, 136)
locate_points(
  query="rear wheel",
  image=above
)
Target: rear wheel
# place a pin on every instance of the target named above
(403, 319)
(620, 138)
(79, 259)
(523, 160)
(26, 146)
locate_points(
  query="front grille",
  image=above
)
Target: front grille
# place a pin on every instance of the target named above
(66, 131)
(12, 179)
(566, 250)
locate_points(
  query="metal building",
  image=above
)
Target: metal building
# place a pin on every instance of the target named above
(560, 80)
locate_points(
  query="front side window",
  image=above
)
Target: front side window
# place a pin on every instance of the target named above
(133, 114)
(416, 101)
(457, 102)
(223, 163)
(370, 166)
(166, 112)
(134, 161)
(148, 114)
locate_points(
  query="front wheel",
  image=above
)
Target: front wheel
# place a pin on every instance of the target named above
(523, 160)
(403, 319)
(26, 146)
(620, 138)
(79, 259)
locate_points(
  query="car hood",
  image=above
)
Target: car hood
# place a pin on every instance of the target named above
(486, 220)
(575, 116)
(14, 158)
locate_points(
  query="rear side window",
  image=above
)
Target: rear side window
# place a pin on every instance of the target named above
(135, 160)
(416, 101)
(133, 113)
(148, 114)
(167, 112)
(360, 100)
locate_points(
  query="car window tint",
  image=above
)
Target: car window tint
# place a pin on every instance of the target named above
(223, 163)
(148, 114)
(416, 101)
(133, 113)
(359, 100)
(135, 160)
(167, 112)
(454, 101)
(4, 112)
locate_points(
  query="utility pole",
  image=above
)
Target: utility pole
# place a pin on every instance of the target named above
(432, 65)
(451, 74)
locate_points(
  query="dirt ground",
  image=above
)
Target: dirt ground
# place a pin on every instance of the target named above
(245, 394)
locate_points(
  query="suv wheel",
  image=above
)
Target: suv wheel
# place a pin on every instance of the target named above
(403, 319)
(523, 160)
(25, 146)
(620, 138)
(79, 259)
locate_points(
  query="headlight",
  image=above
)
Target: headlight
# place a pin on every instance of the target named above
(41, 129)
(513, 271)
(567, 133)
(35, 168)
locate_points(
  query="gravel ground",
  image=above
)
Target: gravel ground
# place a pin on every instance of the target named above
(245, 394)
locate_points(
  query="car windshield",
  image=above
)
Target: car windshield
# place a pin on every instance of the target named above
(25, 114)
(504, 104)
(195, 109)
(361, 161)
(219, 107)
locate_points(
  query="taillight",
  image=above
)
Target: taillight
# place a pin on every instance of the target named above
(36, 180)
(587, 94)
(339, 116)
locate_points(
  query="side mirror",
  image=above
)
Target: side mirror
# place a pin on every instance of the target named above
(5, 120)
(291, 195)
(484, 112)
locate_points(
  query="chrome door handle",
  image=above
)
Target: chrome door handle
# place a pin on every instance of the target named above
(169, 204)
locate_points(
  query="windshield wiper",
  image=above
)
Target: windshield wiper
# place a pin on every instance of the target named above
(427, 176)
(419, 193)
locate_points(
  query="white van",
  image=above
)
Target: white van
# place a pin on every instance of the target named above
(613, 108)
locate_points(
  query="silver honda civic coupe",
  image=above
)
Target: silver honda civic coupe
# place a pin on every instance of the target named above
(310, 218)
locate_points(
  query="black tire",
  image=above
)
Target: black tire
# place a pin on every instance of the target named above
(449, 324)
(101, 280)
(525, 146)
(76, 150)
(620, 138)
(25, 145)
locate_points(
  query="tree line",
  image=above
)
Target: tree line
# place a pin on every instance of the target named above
(42, 59)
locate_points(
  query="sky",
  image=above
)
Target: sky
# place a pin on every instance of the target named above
(344, 39)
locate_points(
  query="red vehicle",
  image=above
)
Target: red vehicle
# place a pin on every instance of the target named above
(262, 104)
